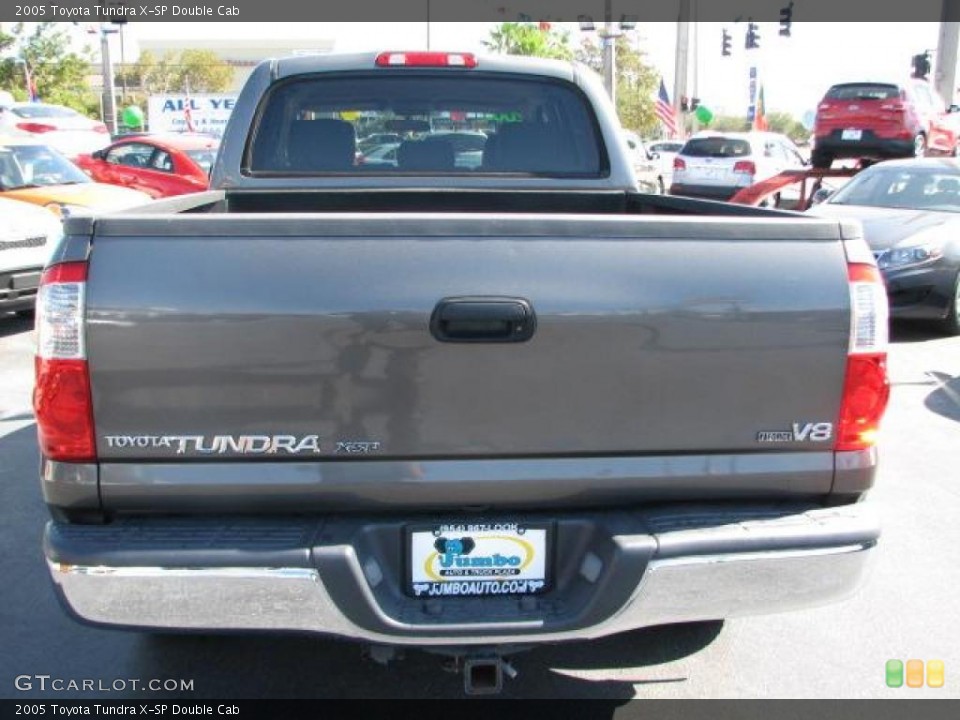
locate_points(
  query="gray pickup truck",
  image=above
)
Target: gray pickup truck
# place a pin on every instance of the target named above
(464, 404)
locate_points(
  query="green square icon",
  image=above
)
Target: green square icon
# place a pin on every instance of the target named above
(894, 673)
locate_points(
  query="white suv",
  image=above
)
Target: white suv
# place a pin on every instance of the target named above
(28, 236)
(717, 165)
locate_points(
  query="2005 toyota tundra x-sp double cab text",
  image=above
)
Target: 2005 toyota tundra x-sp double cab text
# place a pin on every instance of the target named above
(455, 401)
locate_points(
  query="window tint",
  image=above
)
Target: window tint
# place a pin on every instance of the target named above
(162, 161)
(467, 123)
(36, 165)
(131, 155)
(930, 189)
(204, 158)
(863, 91)
(44, 111)
(716, 147)
(666, 147)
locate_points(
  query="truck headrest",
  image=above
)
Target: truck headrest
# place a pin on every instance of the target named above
(529, 147)
(322, 145)
(426, 155)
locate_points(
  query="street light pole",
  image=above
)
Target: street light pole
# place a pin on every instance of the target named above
(609, 37)
(681, 67)
(109, 89)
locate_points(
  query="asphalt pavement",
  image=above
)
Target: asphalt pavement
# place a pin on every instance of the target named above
(905, 610)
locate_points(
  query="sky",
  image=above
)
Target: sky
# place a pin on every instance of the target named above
(795, 71)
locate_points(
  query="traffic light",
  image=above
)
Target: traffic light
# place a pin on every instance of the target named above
(694, 103)
(684, 104)
(727, 44)
(753, 37)
(786, 19)
(921, 65)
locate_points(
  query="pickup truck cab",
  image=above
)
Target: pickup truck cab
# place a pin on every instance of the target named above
(465, 409)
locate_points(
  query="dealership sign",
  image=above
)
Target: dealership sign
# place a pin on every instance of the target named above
(200, 113)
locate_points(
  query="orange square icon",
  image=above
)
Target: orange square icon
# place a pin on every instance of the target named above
(935, 672)
(914, 673)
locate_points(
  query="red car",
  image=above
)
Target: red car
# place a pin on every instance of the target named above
(883, 120)
(159, 165)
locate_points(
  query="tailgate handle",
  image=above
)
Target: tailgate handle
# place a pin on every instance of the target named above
(483, 320)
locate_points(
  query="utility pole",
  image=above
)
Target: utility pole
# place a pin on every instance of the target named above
(109, 90)
(946, 73)
(696, 62)
(682, 58)
(608, 37)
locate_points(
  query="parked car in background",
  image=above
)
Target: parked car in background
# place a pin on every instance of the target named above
(881, 120)
(717, 165)
(379, 155)
(372, 141)
(159, 165)
(59, 127)
(468, 146)
(910, 210)
(28, 235)
(667, 150)
(38, 174)
(646, 165)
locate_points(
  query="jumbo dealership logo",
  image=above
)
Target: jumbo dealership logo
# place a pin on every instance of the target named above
(459, 558)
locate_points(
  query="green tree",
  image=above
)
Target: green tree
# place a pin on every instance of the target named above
(730, 123)
(203, 71)
(778, 122)
(637, 82)
(199, 71)
(530, 39)
(59, 73)
(787, 124)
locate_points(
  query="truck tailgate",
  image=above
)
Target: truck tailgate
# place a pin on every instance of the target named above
(652, 337)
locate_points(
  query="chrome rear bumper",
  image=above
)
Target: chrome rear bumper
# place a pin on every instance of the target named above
(703, 572)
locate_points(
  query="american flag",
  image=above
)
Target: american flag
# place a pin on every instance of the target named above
(665, 111)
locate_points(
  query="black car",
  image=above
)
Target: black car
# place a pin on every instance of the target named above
(910, 210)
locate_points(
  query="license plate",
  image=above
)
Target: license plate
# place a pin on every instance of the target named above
(478, 559)
(712, 173)
(852, 134)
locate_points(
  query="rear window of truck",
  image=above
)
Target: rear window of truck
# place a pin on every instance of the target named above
(430, 124)
(716, 147)
(863, 91)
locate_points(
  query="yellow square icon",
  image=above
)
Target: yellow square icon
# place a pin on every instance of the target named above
(935, 673)
(914, 673)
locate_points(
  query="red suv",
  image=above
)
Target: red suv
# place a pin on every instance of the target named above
(883, 120)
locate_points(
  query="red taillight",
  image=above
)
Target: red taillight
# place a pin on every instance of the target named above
(865, 394)
(61, 397)
(426, 59)
(101, 128)
(866, 388)
(61, 401)
(679, 164)
(32, 127)
(747, 167)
